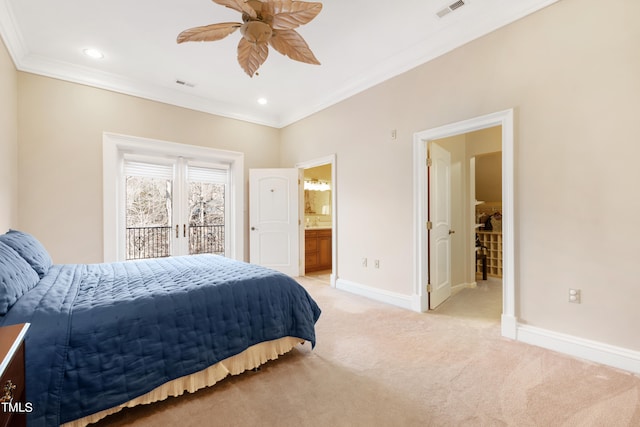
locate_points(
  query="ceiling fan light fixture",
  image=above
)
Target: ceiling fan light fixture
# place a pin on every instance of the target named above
(256, 31)
(266, 23)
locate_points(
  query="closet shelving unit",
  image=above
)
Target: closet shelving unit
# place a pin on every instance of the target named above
(492, 240)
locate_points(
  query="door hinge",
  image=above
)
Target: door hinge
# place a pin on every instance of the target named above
(428, 287)
(429, 162)
(429, 225)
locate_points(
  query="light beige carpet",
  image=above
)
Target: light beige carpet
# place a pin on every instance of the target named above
(377, 365)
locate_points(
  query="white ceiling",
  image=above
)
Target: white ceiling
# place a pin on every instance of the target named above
(360, 43)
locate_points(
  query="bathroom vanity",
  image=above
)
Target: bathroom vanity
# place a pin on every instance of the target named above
(317, 249)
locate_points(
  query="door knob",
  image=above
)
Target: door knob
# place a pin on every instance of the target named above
(253, 228)
(452, 231)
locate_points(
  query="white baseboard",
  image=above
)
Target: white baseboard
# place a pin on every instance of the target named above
(594, 351)
(509, 326)
(332, 279)
(399, 300)
(460, 286)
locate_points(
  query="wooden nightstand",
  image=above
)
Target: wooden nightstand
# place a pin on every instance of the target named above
(13, 406)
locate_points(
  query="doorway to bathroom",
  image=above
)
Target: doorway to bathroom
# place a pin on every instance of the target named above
(318, 215)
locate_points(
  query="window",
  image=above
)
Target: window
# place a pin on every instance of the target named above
(148, 192)
(163, 199)
(156, 198)
(207, 189)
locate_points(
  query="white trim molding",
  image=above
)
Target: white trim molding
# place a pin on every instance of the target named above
(594, 351)
(381, 295)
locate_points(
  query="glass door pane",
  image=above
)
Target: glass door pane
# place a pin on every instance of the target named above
(206, 217)
(148, 217)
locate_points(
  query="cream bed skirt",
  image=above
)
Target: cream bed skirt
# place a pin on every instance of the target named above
(251, 358)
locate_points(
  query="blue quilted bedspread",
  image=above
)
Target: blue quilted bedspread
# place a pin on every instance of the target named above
(102, 334)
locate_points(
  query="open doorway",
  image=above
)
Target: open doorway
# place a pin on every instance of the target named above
(318, 220)
(476, 224)
(505, 120)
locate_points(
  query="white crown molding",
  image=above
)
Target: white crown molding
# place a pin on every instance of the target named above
(10, 34)
(424, 51)
(116, 83)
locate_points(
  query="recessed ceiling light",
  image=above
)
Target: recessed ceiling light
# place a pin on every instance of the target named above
(262, 101)
(93, 53)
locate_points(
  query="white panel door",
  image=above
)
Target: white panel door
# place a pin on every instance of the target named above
(440, 217)
(273, 219)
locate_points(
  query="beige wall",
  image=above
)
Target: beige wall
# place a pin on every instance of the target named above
(572, 78)
(60, 152)
(489, 177)
(8, 142)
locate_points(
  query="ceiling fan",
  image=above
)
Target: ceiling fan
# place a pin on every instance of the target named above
(264, 23)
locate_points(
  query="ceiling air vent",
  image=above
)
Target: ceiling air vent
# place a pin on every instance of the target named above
(451, 8)
(183, 83)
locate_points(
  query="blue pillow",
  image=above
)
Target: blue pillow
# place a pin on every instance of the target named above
(16, 277)
(29, 248)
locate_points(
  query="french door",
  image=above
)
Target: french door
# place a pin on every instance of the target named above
(173, 206)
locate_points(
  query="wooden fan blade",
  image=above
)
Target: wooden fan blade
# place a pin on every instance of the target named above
(239, 5)
(288, 15)
(291, 44)
(208, 33)
(251, 56)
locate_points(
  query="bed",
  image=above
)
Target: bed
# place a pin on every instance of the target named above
(106, 336)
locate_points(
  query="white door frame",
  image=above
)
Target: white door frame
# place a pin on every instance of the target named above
(113, 148)
(330, 159)
(420, 139)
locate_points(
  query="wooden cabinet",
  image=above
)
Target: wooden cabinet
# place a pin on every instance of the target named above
(13, 406)
(317, 250)
(492, 240)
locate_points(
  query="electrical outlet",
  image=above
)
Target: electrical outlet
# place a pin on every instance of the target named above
(574, 296)
(364, 262)
(376, 263)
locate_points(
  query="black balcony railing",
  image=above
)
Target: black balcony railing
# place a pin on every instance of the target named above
(148, 242)
(206, 239)
(155, 242)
